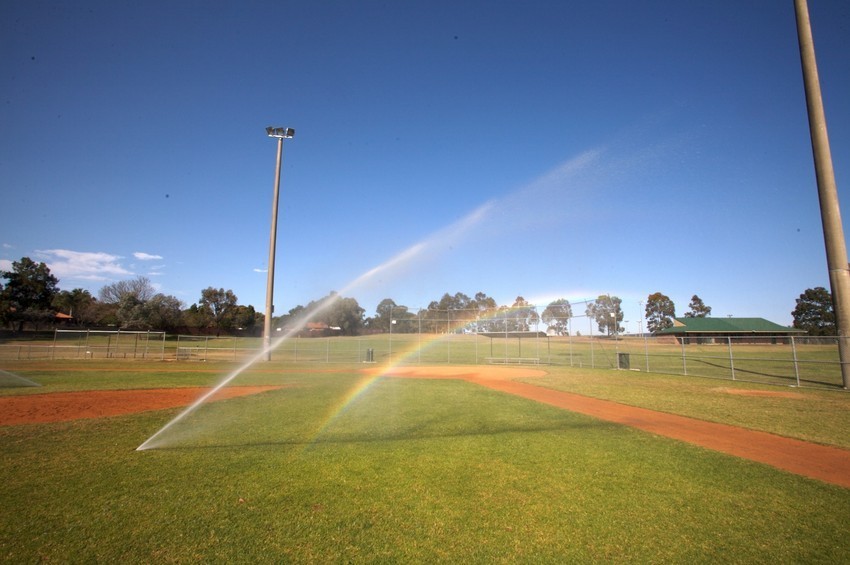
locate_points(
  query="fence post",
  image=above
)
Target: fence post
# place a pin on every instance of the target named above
(796, 367)
(731, 357)
(684, 358)
(592, 360)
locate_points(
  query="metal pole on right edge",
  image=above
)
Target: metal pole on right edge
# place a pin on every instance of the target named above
(833, 232)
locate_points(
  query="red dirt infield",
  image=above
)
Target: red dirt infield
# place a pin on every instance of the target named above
(66, 406)
(825, 463)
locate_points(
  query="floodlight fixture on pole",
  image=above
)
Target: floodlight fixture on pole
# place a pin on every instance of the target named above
(280, 134)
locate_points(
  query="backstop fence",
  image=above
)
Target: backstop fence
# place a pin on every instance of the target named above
(89, 344)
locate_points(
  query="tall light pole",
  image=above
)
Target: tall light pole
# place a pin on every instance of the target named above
(280, 134)
(833, 232)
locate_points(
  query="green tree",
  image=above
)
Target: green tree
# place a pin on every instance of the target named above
(660, 311)
(814, 312)
(384, 313)
(135, 305)
(390, 316)
(245, 318)
(193, 317)
(219, 308)
(162, 312)
(119, 301)
(290, 319)
(697, 308)
(345, 314)
(557, 315)
(78, 303)
(457, 311)
(28, 293)
(485, 309)
(449, 313)
(522, 315)
(130, 313)
(606, 311)
(484, 303)
(333, 310)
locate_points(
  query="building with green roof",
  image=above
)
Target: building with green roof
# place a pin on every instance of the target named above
(718, 330)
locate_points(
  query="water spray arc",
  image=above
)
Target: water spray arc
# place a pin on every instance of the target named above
(265, 353)
(431, 245)
(14, 380)
(399, 260)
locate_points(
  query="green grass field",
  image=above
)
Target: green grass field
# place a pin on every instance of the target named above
(408, 471)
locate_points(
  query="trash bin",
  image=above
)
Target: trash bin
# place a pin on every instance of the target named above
(623, 361)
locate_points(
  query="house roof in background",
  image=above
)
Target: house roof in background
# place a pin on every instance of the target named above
(726, 326)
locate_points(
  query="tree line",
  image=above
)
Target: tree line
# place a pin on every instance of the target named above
(31, 296)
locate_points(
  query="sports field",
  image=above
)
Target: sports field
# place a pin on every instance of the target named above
(332, 463)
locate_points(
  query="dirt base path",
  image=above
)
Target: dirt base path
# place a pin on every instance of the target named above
(66, 406)
(825, 463)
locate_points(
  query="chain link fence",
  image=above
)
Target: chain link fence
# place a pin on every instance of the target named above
(452, 337)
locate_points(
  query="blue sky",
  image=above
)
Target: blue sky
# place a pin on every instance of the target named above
(543, 149)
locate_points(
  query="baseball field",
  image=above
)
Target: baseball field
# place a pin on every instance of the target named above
(455, 463)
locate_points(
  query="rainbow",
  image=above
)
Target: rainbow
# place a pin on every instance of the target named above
(405, 356)
(368, 377)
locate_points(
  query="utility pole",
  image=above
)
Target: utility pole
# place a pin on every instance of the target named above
(833, 231)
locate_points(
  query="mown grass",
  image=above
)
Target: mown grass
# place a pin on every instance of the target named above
(406, 471)
(807, 414)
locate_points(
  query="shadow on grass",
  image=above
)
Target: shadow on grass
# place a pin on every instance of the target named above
(397, 437)
(785, 380)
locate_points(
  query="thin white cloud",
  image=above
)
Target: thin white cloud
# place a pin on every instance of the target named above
(83, 265)
(8, 246)
(5, 265)
(146, 256)
(261, 270)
